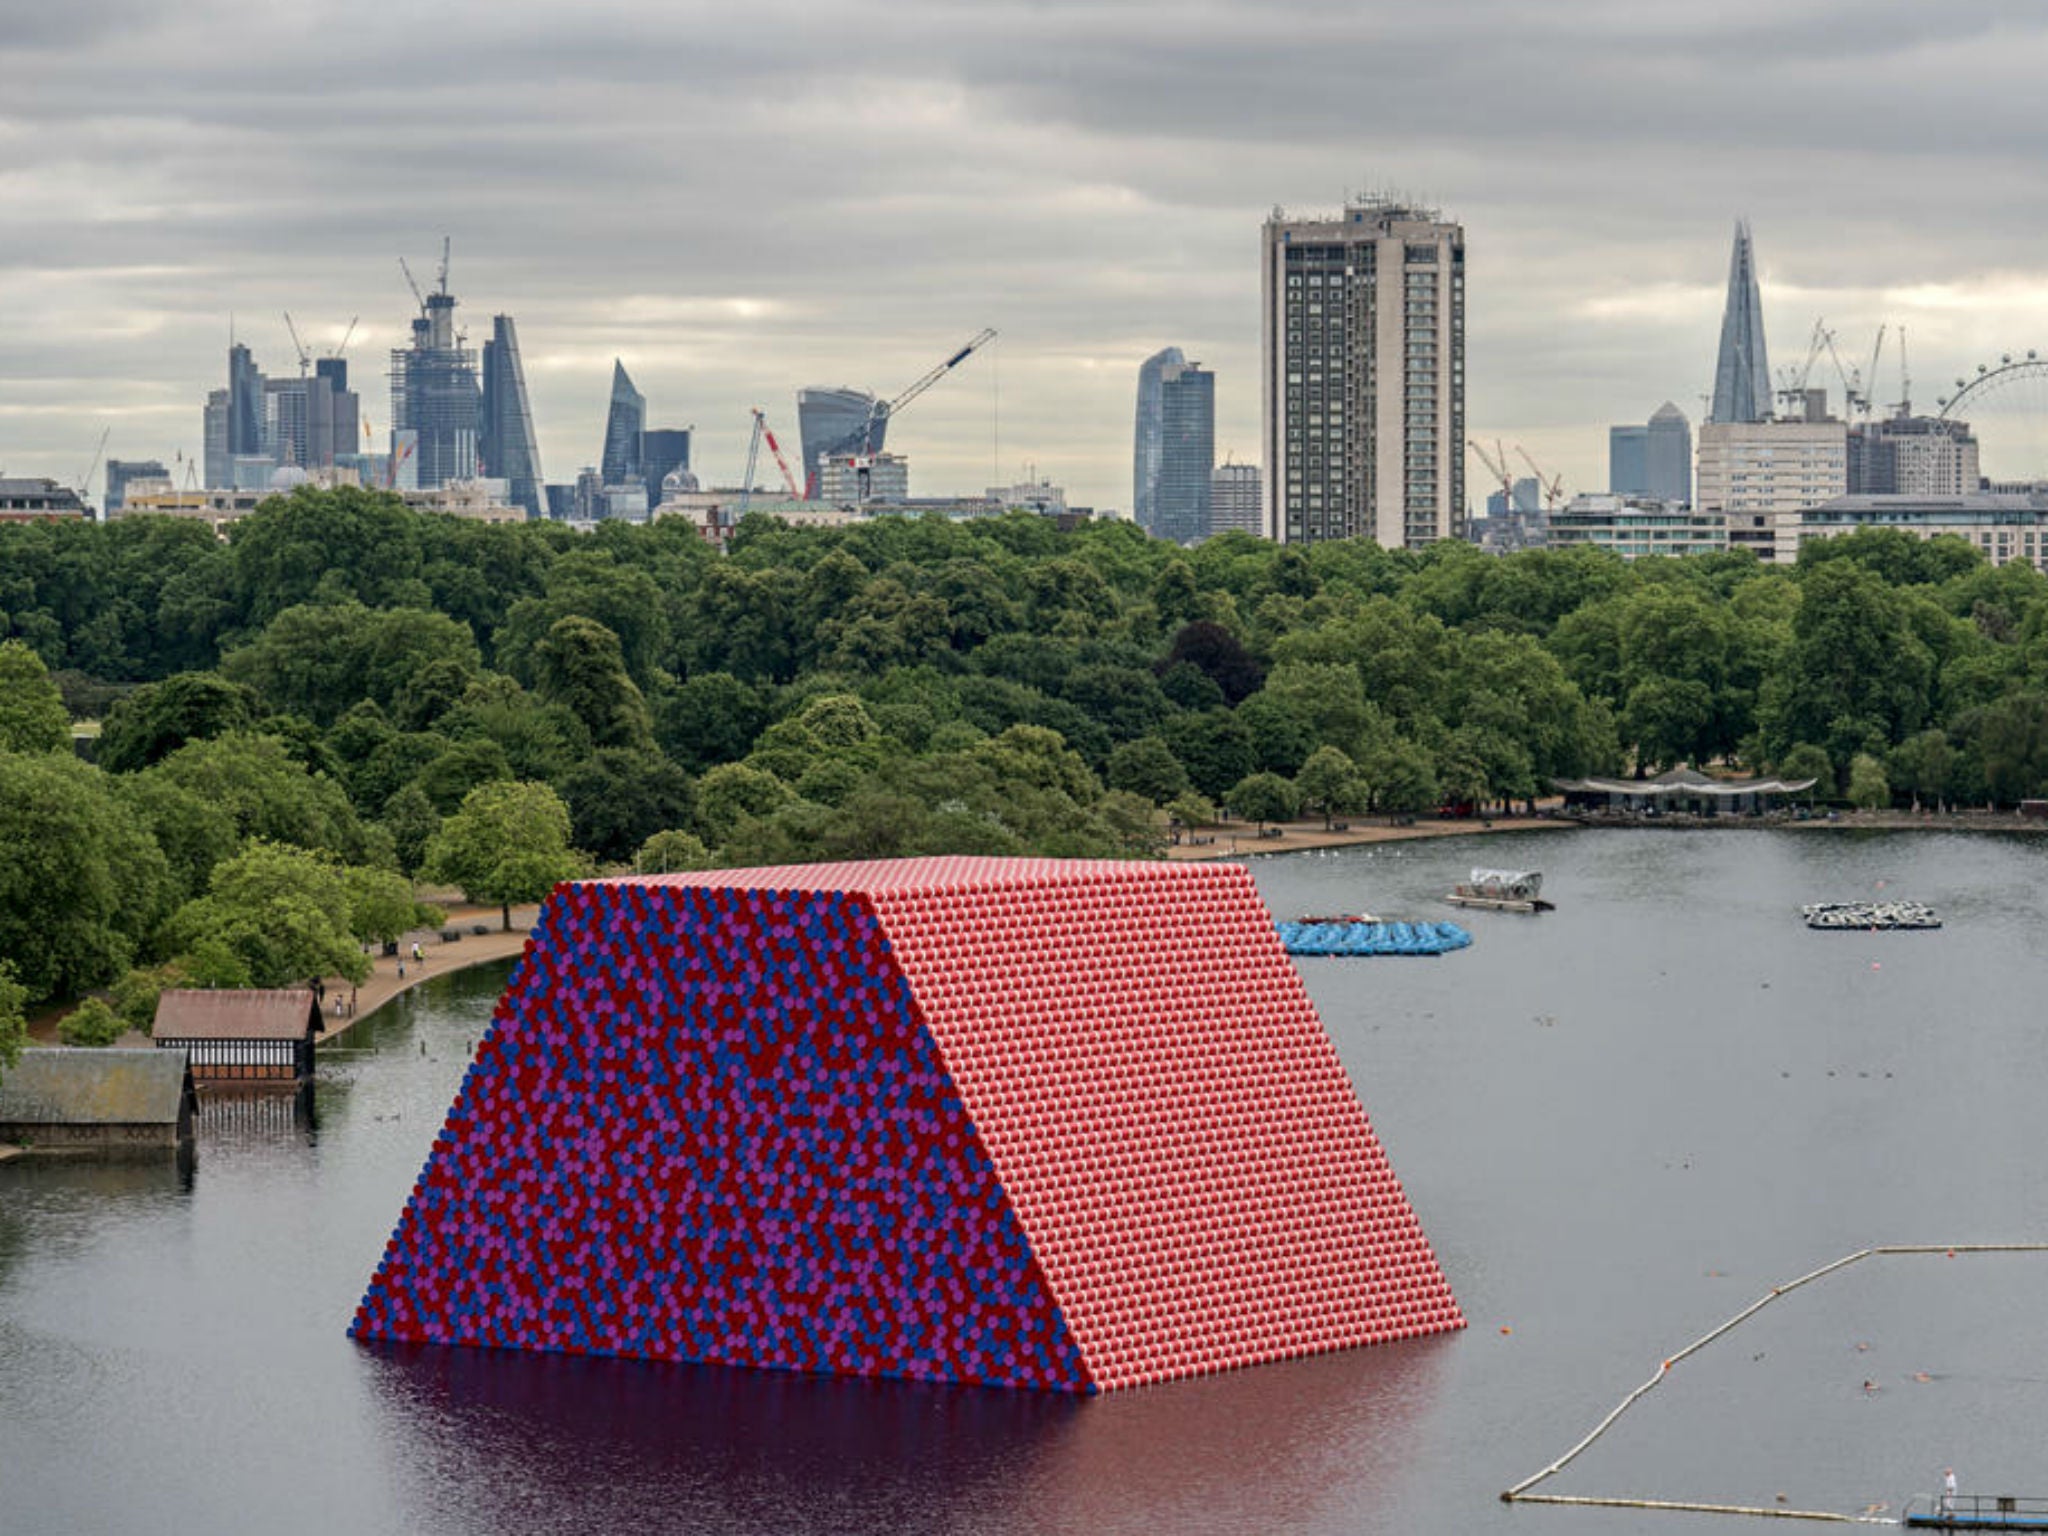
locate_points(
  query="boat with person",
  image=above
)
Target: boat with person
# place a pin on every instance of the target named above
(1501, 890)
(1865, 916)
(1977, 1512)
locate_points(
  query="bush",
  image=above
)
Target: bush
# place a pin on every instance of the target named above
(91, 1023)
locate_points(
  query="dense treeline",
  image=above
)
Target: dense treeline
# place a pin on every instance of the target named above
(346, 681)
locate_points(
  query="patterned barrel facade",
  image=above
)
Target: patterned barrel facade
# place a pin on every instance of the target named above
(1020, 1122)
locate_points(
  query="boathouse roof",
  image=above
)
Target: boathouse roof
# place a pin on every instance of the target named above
(246, 1013)
(75, 1085)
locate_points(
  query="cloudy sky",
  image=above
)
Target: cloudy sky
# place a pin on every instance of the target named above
(741, 199)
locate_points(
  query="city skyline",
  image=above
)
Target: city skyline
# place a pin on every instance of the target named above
(1089, 212)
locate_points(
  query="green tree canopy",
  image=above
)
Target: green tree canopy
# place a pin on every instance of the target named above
(282, 912)
(13, 1016)
(32, 716)
(578, 665)
(508, 843)
(1264, 797)
(153, 721)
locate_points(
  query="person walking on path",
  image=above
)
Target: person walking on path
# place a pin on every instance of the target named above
(416, 955)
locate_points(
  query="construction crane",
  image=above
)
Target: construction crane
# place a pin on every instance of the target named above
(91, 469)
(413, 283)
(889, 409)
(1792, 381)
(753, 458)
(346, 337)
(298, 346)
(1552, 486)
(1497, 464)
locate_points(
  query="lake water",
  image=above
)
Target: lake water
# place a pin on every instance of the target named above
(1620, 1122)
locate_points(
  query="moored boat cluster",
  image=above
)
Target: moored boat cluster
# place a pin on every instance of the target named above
(1869, 914)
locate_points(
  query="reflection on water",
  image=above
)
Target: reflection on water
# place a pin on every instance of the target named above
(1619, 1122)
(487, 1437)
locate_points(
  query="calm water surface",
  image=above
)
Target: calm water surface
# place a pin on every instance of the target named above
(1620, 1122)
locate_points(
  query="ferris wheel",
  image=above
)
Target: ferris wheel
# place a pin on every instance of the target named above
(2006, 404)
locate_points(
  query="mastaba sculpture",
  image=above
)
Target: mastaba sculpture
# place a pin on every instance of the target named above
(1033, 1123)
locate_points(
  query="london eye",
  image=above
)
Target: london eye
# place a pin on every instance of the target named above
(2006, 405)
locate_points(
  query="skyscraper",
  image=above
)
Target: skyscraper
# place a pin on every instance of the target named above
(1145, 448)
(1742, 373)
(1364, 394)
(435, 399)
(1187, 452)
(623, 424)
(217, 461)
(245, 402)
(663, 450)
(1236, 501)
(1654, 460)
(508, 447)
(834, 422)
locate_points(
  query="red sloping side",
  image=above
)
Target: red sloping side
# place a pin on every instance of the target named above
(1174, 1129)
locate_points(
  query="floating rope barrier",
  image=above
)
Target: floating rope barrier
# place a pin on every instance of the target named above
(1519, 1494)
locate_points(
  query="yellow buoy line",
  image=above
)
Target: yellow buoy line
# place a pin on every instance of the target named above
(1520, 1494)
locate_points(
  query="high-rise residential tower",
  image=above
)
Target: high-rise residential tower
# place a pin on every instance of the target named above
(1187, 453)
(1146, 443)
(1364, 388)
(436, 402)
(1236, 501)
(623, 424)
(508, 446)
(831, 423)
(1742, 372)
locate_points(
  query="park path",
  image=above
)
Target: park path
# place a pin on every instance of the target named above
(391, 975)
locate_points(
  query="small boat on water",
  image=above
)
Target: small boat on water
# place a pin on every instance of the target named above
(1501, 890)
(1863, 916)
(1977, 1512)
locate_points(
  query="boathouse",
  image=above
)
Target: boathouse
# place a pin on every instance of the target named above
(1680, 792)
(247, 1036)
(109, 1100)
(1060, 1124)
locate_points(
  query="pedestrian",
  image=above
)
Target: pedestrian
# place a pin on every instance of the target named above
(1948, 1490)
(416, 952)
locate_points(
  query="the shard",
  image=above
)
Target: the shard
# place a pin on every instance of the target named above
(1742, 373)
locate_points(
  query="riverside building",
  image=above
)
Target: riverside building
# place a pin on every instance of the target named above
(1363, 401)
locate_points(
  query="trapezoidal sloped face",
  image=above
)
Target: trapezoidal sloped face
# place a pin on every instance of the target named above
(1019, 1122)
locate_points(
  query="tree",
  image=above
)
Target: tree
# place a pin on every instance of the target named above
(508, 843)
(1215, 747)
(412, 821)
(265, 793)
(32, 716)
(1868, 790)
(1219, 653)
(1923, 766)
(1264, 797)
(671, 852)
(618, 799)
(284, 913)
(151, 723)
(733, 793)
(1807, 761)
(93, 1024)
(711, 719)
(2012, 742)
(381, 905)
(13, 1016)
(579, 666)
(1147, 767)
(344, 543)
(1401, 777)
(82, 883)
(1331, 783)
(1192, 810)
(319, 658)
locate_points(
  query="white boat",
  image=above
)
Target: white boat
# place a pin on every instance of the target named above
(1501, 890)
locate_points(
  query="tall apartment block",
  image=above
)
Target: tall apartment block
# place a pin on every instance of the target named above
(1237, 502)
(1187, 453)
(1908, 455)
(1364, 375)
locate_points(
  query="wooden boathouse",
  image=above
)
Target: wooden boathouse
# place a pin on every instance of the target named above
(110, 1100)
(247, 1037)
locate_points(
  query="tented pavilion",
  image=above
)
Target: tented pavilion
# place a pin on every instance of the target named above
(1681, 792)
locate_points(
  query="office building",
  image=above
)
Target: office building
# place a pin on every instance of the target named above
(1145, 448)
(1761, 475)
(1635, 526)
(1039, 496)
(1742, 371)
(25, 500)
(436, 400)
(1907, 455)
(507, 444)
(214, 434)
(624, 422)
(144, 474)
(854, 479)
(1187, 453)
(1654, 460)
(1364, 375)
(663, 451)
(831, 422)
(2004, 527)
(1519, 500)
(245, 402)
(1236, 499)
